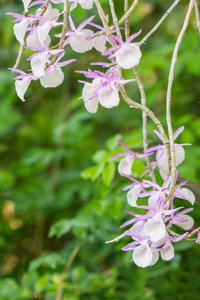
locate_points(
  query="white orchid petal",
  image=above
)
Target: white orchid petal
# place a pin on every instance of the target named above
(169, 253)
(92, 105)
(100, 43)
(79, 43)
(86, 4)
(42, 32)
(152, 201)
(187, 195)
(51, 13)
(53, 79)
(142, 256)
(33, 40)
(88, 91)
(132, 195)
(38, 64)
(154, 258)
(21, 87)
(125, 165)
(163, 161)
(155, 229)
(180, 155)
(128, 56)
(26, 4)
(20, 30)
(108, 97)
(135, 226)
(187, 223)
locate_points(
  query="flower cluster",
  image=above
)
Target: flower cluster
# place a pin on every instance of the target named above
(103, 89)
(151, 230)
(32, 30)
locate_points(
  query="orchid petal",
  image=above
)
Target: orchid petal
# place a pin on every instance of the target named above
(133, 36)
(92, 105)
(108, 97)
(128, 56)
(132, 195)
(125, 165)
(26, 4)
(142, 256)
(167, 252)
(186, 194)
(38, 63)
(20, 30)
(178, 131)
(21, 87)
(53, 79)
(155, 228)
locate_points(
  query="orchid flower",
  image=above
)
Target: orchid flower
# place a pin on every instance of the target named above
(50, 13)
(79, 38)
(39, 59)
(134, 190)
(54, 75)
(126, 163)
(103, 89)
(127, 54)
(22, 82)
(161, 154)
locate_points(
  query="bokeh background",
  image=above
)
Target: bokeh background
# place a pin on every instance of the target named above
(61, 197)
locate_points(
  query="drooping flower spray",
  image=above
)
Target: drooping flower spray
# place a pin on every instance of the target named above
(160, 222)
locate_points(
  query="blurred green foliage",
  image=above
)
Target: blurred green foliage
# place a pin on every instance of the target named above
(61, 197)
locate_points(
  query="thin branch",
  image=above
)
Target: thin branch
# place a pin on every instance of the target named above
(149, 113)
(67, 266)
(161, 20)
(143, 100)
(194, 232)
(127, 27)
(169, 91)
(104, 22)
(122, 20)
(129, 12)
(197, 15)
(64, 30)
(144, 119)
(188, 236)
(119, 237)
(115, 20)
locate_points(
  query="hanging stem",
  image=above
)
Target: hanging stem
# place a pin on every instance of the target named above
(115, 20)
(161, 20)
(143, 101)
(64, 30)
(127, 27)
(144, 123)
(149, 113)
(67, 267)
(169, 91)
(129, 12)
(119, 237)
(122, 20)
(105, 23)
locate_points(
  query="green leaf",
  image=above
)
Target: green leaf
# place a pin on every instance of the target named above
(93, 173)
(52, 260)
(108, 173)
(100, 156)
(65, 225)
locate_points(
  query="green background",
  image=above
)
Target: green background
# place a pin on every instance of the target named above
(61, 196)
